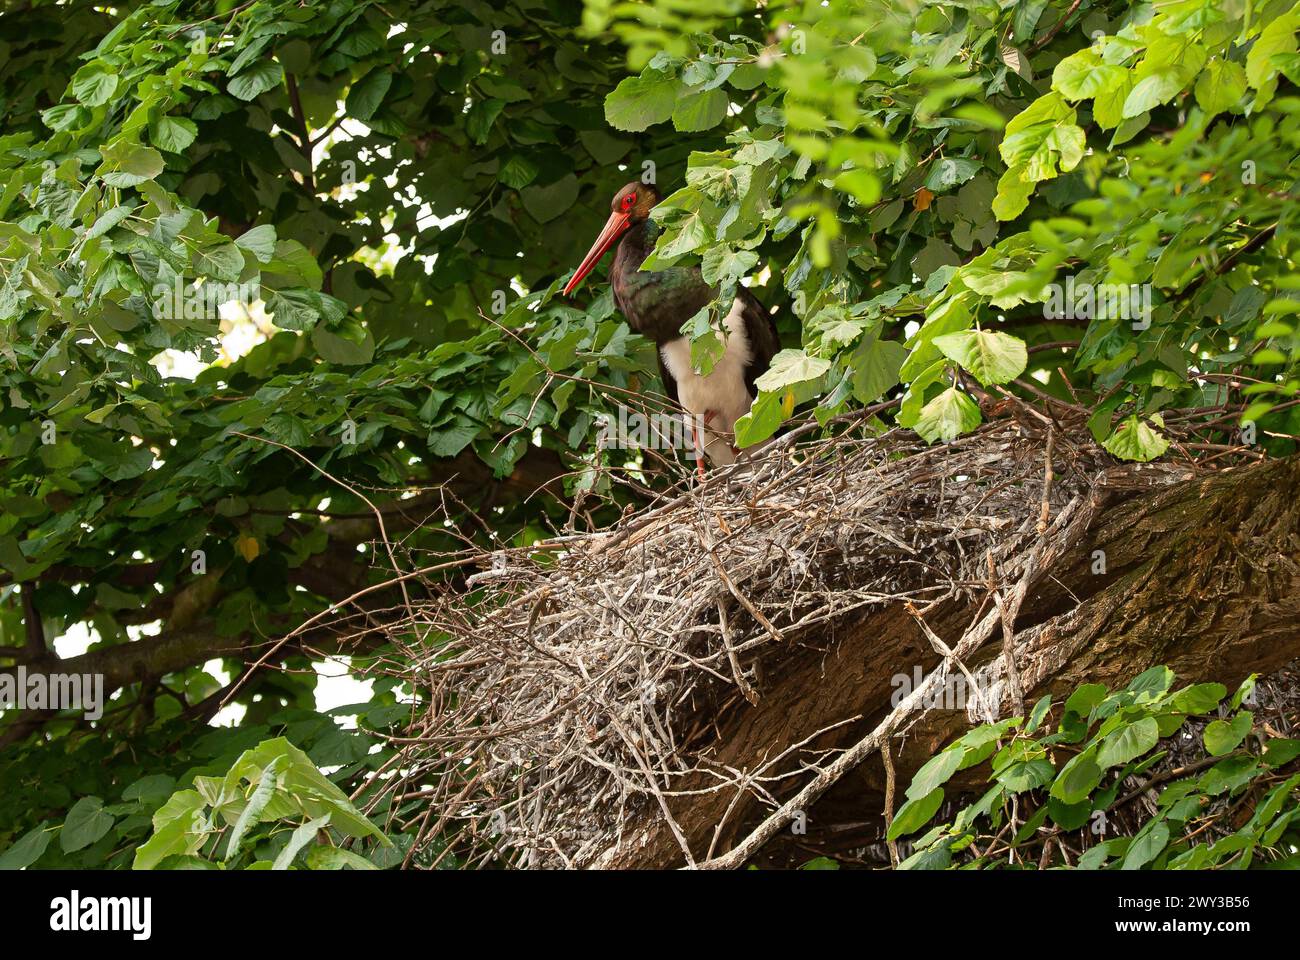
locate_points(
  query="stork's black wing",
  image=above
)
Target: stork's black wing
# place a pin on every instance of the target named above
(760, 330)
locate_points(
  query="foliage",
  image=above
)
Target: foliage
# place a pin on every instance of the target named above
(920, 174)
(1067, 788)
(395, 193)
(85, 802)
(272, 783)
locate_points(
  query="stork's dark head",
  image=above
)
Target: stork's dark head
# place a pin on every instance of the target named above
(630, 206)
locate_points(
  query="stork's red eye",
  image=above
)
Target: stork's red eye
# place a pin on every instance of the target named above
(627, 202)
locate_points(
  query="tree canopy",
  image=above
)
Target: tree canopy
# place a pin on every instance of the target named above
(280, 312)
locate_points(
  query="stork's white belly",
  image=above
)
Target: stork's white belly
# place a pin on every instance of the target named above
(723, 392)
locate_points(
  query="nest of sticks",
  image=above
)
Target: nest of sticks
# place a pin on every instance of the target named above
(571, 686)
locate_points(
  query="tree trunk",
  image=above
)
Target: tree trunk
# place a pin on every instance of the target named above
(1202, 575)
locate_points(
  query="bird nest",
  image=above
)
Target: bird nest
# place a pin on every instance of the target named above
(571, 687)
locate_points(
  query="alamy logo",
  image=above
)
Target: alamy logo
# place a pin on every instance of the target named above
(22, 690)
(1099, 301)
(184, 301)
(659, 431)
(77, 913)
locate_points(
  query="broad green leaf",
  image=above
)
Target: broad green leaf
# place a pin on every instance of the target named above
(259, 241)
(949, 172)
(790, 368)
(721, 263)
(545, 202)
(1146, 845)
(875, 367)
(699, 111)
(639, 102)
(366, 95)
(1084, 75)
(302, 836)
(257, 803)
(947, 416)
(172, 134)
(27, 849)
(94, 84)
(1133, 439)
(988, 355)
(86, 823)
(128, 164)
(256, 80)
(1224, 736)
(1221, 86)
(935, 772)
(336, 858)
(1129, 741)
(179, 827)
(915, 814)
(1077, 778)
(1277, 37)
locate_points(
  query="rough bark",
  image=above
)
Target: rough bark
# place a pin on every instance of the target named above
(1203, 575)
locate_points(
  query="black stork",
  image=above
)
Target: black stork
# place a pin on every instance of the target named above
(657, 303)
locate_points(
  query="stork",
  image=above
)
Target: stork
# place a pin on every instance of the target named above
(657, 303)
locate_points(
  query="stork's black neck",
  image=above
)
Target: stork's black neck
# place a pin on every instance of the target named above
(656, 304)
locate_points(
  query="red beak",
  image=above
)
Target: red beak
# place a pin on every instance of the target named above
(614, 227)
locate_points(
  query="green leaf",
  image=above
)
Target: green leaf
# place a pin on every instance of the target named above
(1077, 778)
(934, 773)
(302, 836)
(1199, 698)
(1279, 751)
(1221, 86)
(546, 202)
(481, 117)
(1151, 91)
(179, 827)
(172, 134)
(259, 241)
(1129, 741)
(1222, 736)
(257, 803)
(86, 822)
(252, 83)
(790, 368)
(639, 102)
(1278, 36)
(451, 440)
(1134, 440)
(721, 263)
(699, 111)
(303, 786)
(153, 788)
(1146, 845)
(1084, 75)
(990, 356)
(949, 172)
(915, 814)
(94, 84)
(336, 858)
(518, 171)
(1013, 194)
(947, 416)
(366, 95)
(27, 849)
(128, 164)
(1039, 713)
(223, 261)
(875, 366)
(764, 416)
(348, 344)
